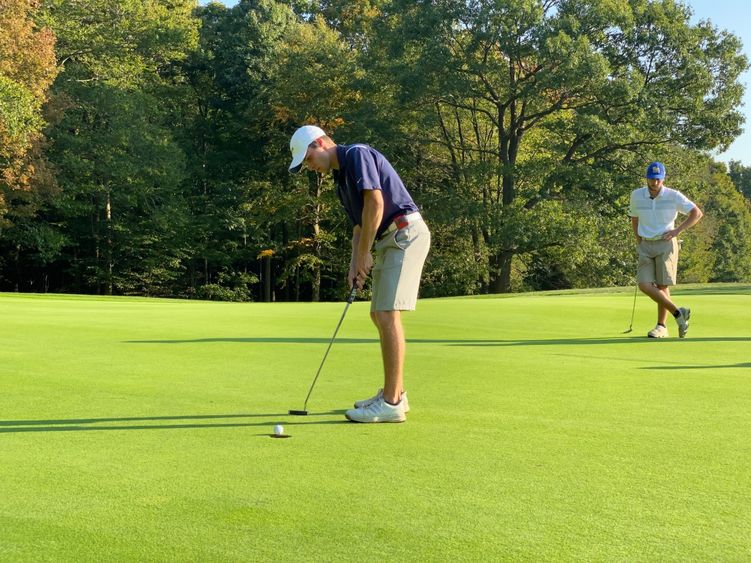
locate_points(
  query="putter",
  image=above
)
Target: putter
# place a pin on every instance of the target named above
(350, 299)
(633, 310)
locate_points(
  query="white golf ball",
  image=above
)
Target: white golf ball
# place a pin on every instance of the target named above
(278, 429)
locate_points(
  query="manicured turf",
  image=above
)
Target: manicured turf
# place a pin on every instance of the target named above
(136, 429)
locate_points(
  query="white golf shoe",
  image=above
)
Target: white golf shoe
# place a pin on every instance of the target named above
(378, 411)
(378, 395)
(682, 320)
(658, 331)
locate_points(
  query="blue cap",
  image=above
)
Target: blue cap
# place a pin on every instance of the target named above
(656, 171)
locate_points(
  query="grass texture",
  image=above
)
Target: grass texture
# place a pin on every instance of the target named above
(138, 430)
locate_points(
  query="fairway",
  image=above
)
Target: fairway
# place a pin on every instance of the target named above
(138, 429)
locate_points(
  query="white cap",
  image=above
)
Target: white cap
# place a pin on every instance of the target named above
(299, 142)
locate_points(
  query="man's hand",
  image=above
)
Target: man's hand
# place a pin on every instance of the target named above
(372, 213)
(671, 234)
(351, 275)
(363, 267)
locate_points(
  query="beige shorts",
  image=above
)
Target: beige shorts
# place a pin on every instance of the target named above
(399, 258)
(658, 261)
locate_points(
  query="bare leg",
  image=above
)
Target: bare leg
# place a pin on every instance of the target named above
(392, 350)
(662, 311)
(661, 296)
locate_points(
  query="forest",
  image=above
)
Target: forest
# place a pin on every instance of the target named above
(144, 144)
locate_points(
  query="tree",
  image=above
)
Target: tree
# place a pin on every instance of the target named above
(27, 68)
(119, 167)
(234, 148)
(741, 177)
(533, 101)
(731, 247)
(315, 83)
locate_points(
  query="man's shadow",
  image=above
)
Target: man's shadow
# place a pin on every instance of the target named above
(447, 341)
(90, 424)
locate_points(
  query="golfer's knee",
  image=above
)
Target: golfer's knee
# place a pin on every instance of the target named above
(386, 318)
(646, 287)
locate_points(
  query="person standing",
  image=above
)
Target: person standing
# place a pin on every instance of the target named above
(383, 214)
(653, 210)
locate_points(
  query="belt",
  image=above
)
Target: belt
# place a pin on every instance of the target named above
(652, 239)
(401, 221)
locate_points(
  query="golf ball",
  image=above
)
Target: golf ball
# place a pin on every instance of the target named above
(278, 429)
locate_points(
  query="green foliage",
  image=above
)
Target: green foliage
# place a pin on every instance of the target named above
(19, 112)
(731, 246)
(27, 68)
(741, 177)
(125, 188)
(231, 286)
(601, 82)
(520, 128)
(128, 43)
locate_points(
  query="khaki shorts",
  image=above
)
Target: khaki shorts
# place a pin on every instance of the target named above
(399, 258)
(658, 261)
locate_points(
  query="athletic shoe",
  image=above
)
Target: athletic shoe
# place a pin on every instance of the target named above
(378, 395)
(658, 331)
(682, 320)
(378, 411)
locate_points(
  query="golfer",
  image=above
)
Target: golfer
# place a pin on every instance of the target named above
(653, 211)
(382, 214)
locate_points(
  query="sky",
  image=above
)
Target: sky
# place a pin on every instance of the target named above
(735, 16)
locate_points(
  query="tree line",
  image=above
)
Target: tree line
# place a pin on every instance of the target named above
(144, 143)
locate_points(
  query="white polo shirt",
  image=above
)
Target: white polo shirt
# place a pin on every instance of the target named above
(657, 216)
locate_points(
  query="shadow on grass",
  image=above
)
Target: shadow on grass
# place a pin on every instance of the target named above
(270, 340)
(739, 365)
(450, 342)
(88, 424)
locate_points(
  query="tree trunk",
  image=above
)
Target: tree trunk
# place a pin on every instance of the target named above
(500, 272)
(95, 221)
(266, 269)
(108, 218)
(18, 268)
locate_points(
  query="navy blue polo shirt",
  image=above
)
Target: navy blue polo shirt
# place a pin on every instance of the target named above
(363, 168)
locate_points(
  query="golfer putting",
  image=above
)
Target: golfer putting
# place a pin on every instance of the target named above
(385, 219)
(653, 211)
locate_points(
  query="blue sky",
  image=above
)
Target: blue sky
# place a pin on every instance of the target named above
(735, 16)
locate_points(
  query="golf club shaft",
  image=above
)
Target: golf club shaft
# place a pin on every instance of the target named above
(350, 299)
(633, 308)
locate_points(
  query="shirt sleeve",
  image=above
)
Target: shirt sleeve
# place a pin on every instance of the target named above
(364, 168)
(683, 204)
(632, 205)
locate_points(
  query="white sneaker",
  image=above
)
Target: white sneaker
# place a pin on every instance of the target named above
(682, 320)
(378, 395)
(378, 411)
(658, 331)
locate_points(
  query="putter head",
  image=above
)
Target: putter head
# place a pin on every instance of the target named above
(298, 413)
(627, 331)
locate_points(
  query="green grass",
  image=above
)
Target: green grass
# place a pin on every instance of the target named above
(136, 429)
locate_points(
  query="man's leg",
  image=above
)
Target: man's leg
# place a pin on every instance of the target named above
(393, 346)
(662, 311)
(660, 297)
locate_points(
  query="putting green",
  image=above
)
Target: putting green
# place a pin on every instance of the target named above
(138, 429)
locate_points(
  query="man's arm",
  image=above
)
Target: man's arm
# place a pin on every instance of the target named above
(372, 214)
(635, 227)
(352, 276)
(692, 219)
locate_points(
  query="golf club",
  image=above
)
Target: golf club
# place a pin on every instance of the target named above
(633, 310)
(304, 410)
